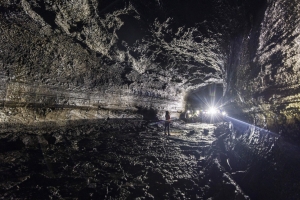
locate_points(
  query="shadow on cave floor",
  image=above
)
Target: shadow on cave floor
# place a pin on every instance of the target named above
(121, 159)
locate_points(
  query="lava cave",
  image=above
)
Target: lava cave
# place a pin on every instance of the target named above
(85, 85)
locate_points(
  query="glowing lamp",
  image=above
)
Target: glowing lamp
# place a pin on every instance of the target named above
(212, 110)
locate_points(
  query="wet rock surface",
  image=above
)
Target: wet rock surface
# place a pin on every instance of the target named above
(135, 160)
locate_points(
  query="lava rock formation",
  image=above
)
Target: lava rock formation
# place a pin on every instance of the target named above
(65, 63)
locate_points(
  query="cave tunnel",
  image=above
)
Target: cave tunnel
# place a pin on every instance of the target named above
(85, 86)
(205, 97)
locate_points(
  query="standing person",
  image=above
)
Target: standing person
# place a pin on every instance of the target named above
(167, 122)
(187, 116)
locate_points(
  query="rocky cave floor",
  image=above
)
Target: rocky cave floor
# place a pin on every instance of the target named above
(124, 159)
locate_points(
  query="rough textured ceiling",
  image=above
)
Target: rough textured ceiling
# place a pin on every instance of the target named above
(130, 54)
(183, 42)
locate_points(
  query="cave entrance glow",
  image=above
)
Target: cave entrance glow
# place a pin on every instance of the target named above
(206, 104)
(205, 98)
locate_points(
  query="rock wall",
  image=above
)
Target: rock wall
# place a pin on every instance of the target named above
(131, 55)
(123, 55)
(267, 67)
(64, 56)
(262, 163)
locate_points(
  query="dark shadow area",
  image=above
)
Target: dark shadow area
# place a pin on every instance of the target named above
(10, 145)
(148, 114)
(48, 16)
(263, 163)
(131, 31)
(105, 6)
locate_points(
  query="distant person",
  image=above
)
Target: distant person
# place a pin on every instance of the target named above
(187, 116)
(167, 122)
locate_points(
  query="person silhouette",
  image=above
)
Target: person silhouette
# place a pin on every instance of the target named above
(167, 122)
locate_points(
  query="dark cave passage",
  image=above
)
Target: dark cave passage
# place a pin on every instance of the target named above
(203, 98)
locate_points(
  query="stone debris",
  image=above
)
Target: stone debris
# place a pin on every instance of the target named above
(91, 161)
(101, 161)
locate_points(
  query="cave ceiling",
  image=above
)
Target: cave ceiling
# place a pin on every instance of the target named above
(158, 44)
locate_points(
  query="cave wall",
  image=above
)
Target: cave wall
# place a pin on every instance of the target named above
(267, 67)
(61, 61)
(101, 58)
(262, 163)
(97, 59)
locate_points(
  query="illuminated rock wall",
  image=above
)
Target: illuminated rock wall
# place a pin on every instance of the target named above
(73, 56)
(268, 67)
(131, 55)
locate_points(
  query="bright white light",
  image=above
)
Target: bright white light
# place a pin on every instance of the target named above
(212, 110)
(224, 113)
(197, 112)
(188, 111)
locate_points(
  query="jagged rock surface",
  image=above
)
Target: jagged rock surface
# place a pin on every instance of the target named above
(130, 54)
(99, 54)
(268, 68)
(115, 160)
(130, 159)
(65, 63)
